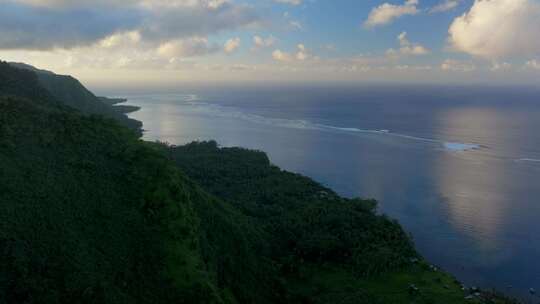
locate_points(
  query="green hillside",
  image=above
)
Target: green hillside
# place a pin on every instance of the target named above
(72, 93)
(89, 213)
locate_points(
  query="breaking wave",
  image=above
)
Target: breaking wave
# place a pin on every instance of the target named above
(206, 109)
(528, 160)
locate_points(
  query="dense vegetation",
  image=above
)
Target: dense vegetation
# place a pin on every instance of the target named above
(72, 93)
(328, 249)
(23, 83)
(303, 220)
(89, 213)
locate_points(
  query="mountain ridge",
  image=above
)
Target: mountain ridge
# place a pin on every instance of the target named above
(73, 93)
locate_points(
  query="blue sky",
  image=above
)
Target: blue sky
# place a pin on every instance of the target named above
(339, 23)
(175, 41)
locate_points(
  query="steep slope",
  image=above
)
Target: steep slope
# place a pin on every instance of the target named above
(328, 249)
(88, 213)
(72, 93)
(91, 214)
(23, 83)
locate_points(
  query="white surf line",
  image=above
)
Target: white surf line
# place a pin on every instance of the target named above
(229, 112)
(530, 160)
(451, 146)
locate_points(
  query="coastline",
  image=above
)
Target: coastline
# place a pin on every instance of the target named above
(445, 280)
(118, 104)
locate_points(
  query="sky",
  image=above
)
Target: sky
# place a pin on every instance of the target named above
(168, 42)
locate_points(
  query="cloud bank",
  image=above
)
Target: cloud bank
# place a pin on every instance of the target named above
(495, 29)
(63, 24)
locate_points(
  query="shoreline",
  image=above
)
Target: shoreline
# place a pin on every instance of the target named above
(471, 292)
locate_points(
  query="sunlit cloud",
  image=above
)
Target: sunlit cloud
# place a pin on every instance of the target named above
(300, 55)
(37, 21)
(387, 13)
(533, 64)
(497, 29)
(191, 47)
(446, 5)
(457, 66)
(231, 45)
(282, 56)
(291, 2)
(199, 37)
(500, 66)
(259, 42)
(407, 48)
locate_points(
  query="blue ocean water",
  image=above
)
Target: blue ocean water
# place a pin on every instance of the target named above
(459, 167)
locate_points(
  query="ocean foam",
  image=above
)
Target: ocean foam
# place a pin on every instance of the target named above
(529, 160)
(229, 112)
(458, 147)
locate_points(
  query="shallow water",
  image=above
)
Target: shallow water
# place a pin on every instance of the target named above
(459, 167)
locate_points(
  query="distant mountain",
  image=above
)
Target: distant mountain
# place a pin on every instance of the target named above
(72, 93)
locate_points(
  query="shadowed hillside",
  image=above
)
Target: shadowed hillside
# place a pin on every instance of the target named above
(89, 213)
(72, 93)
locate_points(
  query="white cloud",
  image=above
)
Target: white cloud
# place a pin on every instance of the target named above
(196, 46)
(386, 13)
(145, 3)
(85, 22)
(296, 25)
(533, 64)
(291, 2)
(355, 68)
(279, 55)
(444, 6)
(260, 42)
(123, 34)
(417, 68)
(232, 45)
(215, 4)
(59, 3)
(330, 47)
(291, 23)
(457, 66)
(498, 28)
(407, 48)
(301, 54)
(121, 39)
(500, 66)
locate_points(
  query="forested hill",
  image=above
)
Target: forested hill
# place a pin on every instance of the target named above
(23, 83)
(72, 93)
(89, 213)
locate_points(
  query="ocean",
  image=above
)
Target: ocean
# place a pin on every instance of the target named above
(458, 167)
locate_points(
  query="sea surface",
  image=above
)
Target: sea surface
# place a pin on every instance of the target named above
(459, 167)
